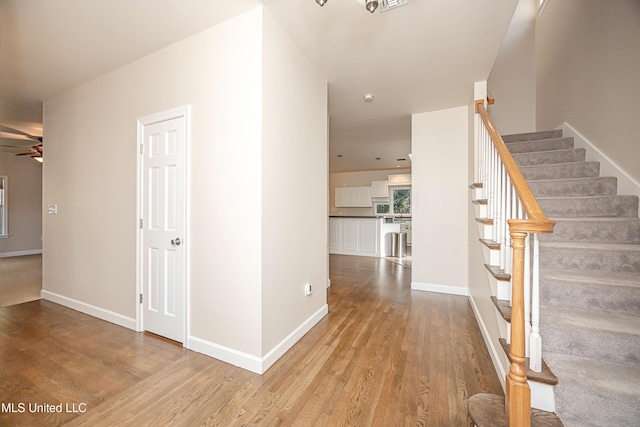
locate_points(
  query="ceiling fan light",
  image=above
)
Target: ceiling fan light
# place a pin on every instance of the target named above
(371, 5)
(321, 2)
(37, 158)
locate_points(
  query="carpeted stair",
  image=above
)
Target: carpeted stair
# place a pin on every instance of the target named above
(589, 282)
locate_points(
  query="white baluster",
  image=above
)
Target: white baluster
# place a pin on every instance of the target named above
(535, 347)
(527, 293)
(508, 261)
(499, 216)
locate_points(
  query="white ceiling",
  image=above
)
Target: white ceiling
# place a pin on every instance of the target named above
(416, 58)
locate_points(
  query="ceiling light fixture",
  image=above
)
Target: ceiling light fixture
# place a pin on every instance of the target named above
(368, 98)
(372, 5)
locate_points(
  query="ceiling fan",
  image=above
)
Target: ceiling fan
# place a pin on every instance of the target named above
(35, 151)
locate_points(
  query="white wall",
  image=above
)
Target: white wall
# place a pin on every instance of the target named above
(294, 187)
(512, 81)
(587, 74)
(440, 200)
(90, 172)
(25, 205)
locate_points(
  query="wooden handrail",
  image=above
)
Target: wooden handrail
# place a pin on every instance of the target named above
(517, 391)
(536, 219)
(490, 99)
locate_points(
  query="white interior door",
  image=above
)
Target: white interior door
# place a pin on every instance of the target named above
(163, 227)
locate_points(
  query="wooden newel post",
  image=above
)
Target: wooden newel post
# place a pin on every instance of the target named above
(518, 394)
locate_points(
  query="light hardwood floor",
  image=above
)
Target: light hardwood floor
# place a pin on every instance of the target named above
(20, 279)
(383, 356)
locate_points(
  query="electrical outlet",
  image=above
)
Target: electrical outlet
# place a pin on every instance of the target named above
(308, 289)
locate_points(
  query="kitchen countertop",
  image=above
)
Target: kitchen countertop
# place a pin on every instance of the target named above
(396, 219)
(354, 216)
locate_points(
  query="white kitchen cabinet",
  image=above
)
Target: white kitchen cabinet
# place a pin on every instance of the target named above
(335, 231)
(354, 236)
(364, 197)
(400, 179)
(353, 197)
(368, 237)
(379, 188)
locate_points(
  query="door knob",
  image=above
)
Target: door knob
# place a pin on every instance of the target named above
(176, 242)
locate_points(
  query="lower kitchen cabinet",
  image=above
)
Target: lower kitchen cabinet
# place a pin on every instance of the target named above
(354, 236)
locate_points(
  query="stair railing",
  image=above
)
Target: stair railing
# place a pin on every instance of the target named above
(516, 214)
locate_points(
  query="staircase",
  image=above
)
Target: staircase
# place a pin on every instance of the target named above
(589, 282)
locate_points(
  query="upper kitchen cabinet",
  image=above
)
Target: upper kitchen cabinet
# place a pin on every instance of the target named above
(353, 197)
(379, 188)
(400, 179)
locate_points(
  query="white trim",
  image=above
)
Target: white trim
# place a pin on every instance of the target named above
(20, 253)
(626, 184)
(441, 289)
(237, 358)
(283, 346)
(493, 352)
(542, 396)
(174, 113)
(248, 361)
(91, 310)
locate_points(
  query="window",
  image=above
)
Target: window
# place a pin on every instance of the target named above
(400, 203)
(3, 206)
(382, 208)
(401, 200)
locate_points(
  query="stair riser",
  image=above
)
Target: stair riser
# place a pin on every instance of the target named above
(624, 231)
(550, 157)
(561, 171)
(533, 136)
(581, 341)
(590, 207)
(590, 296)
(606, 186)
(596, 260)
(543, 145)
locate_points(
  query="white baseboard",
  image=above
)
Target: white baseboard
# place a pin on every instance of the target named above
(626, 184)
(283, 346)
(226, 354)
(441, 289)
(20, 253)
(248, 361)
(495, 356)
(91, 310)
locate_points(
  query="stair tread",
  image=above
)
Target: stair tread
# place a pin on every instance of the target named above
(590, 319)
(491, 244)
(568, 180)
(621, 206)
(545, 376)
(592, 245)
(497, 272)
(503, 307)
(595, 390)
(595, 277)
(489, 410)
(614, 377)
(596, 219)
(532, 136)
(611, 196)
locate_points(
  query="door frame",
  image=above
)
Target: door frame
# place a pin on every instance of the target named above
(174, 113)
